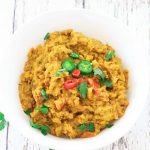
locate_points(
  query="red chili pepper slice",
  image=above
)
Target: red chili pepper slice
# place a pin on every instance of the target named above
(81, 80)
(70, 84)
(76, 73)
(93, 83)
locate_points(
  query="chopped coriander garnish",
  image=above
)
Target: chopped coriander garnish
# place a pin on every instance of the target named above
(47, 36)
(90, 127)
(82, 127)
(2, 121)
(74, 55)
(43, 109)
(34, 125)
(59, 72)
(107, 83)
(109, 125)
(1, 116)
(27, 112)
(2, 124)
(83, 89)
(101, 82)
(99, 72)
(109, 55)
(43, 93)
(44, 129)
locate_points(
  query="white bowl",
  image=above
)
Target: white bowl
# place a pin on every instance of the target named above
(92, 24)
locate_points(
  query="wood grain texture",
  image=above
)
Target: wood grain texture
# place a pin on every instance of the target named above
(6, 29)
(135, 14)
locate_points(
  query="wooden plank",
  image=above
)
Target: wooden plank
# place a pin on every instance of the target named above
(28, 9)
(6, 18)
(6, 28)
(17, 141)
(3, 134)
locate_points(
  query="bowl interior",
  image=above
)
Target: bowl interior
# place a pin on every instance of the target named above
(94, 25)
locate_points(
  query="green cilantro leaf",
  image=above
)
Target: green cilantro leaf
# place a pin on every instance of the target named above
(43, 93)
(2, 124)
(82, 127)
(109, 55)
(83, 89)
(47, 36)
(91, 127)
(44, 129)
(107, 83)
(28, 112)
(1, 116)
(2, 121)
(109, 125)
(59, 72)
(74, 55)
(99, 72)
(34, 125)
(43, 109)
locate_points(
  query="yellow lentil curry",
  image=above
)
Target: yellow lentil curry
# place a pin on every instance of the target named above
(73, 86)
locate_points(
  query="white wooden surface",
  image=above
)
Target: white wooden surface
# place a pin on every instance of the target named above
(134, 13)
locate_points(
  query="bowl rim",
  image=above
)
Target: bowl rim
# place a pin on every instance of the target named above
(106, 142)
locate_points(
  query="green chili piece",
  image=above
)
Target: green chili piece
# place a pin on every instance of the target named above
(68, 65)
(85, 67)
